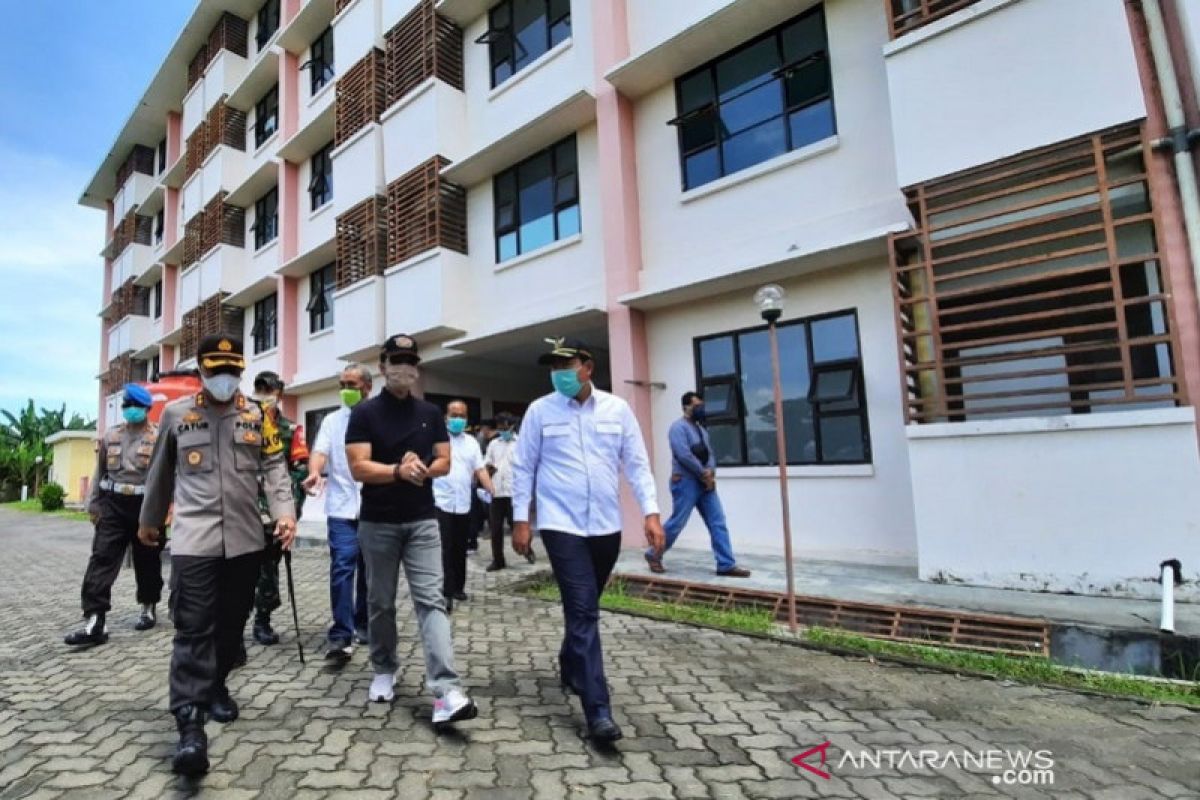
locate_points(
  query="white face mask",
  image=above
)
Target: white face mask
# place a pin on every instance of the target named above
(401, 377)
(222, 387)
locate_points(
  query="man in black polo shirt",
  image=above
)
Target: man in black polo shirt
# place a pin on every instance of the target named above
(396, 444)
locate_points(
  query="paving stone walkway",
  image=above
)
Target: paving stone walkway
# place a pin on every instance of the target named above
(706, 715)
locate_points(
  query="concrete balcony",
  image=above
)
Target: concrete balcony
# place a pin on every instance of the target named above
(136, 189)
(361, 309)
(224, 75)
(425, 297)
(258, 278)
(218, 271)
(357, 29)
(133, 262)
(430, 121)
(979, 78)
(225, 169)
(132, 334)
(358, 168)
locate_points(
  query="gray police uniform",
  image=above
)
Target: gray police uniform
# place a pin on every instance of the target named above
(209, 461)
(122, 458)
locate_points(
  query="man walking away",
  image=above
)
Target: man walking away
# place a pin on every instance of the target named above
(453, 495)
(122, 459)
(574, 444)
(694, 485)
(396, 444)
(210, 459)
(347, 573)
(499, 464)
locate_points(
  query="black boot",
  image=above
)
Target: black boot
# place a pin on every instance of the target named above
(263, 633)
(191, 754)
(148, 618)
(91, 634)
(223, 708)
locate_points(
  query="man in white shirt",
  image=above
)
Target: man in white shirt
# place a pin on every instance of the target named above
(499, 464)
(573, 445)
(347, 573)
(452, 494)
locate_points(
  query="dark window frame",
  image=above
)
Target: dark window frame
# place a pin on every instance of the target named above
(266, 116)
(320, 62)
(320, 183)
(557, 205)
(157, 292)
(779, 76)
(505, 49)
(266, 210)
(161, 161)
(738, 411)
(159, 226)
(265, 332)
(313, 418)
(268, 23)
(321, 285)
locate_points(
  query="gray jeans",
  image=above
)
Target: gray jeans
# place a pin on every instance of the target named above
(419, 546)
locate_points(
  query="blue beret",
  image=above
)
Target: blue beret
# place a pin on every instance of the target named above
(138, 394)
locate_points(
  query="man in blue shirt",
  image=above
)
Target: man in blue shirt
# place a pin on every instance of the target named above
(694, 485)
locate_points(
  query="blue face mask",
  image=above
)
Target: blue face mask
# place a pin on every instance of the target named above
(699, 414)
(134, 415)
(506, 435)
(566, 382)
(456, 425)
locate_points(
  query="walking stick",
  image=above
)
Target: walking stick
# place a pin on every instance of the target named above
(287, 562)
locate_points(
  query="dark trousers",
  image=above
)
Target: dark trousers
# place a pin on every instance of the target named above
(347, 581)
(455, 530)
(582, 565)
(266, 594)
(500, 512)
(479, 518)
(115, 531)
(211, 598)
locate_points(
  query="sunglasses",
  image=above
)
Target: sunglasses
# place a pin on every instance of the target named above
(397, 360)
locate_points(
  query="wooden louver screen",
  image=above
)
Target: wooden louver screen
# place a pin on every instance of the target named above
(361, 242)
(224, 125)
(422, 45)
(908, 15)
(425, 211)
(196, 152)
(132, 229)
(212, 316)
(193, 240)
(230, 33)
(119, 373)
(223, 224)
(124, 300)
(340, 6)
(361, 96)
(196, 66)
(1034, 286)
(140, 159)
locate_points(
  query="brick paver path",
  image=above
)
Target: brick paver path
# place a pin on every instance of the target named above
(706, 715)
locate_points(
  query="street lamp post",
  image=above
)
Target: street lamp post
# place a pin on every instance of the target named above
(37, 475)
(769, 300)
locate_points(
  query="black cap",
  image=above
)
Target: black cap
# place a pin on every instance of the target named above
(400, 344)
(220, 350)
(566, 348)
(269, 380)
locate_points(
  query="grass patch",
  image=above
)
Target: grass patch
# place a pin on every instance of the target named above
(617, 598)
(1022, 669)
(34, 506)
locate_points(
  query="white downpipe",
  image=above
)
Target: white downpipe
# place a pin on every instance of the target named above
(1169, 577)
(1185, 170)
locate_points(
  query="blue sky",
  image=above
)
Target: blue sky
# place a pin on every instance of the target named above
(70, 80)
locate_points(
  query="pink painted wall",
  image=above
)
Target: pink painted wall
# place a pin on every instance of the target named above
(174, 136)
(289, 95)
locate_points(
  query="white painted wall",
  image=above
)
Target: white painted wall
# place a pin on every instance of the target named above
(1105, 500)
(392, 11)
(316, 227)
(361, 309)
(317, 354)
(493, 113)
(194, 109)
(1027, 74)
(355, 31)
(835, 515)
(554, 281)
(358, 168)
(786, 204)
(425, 293)
(430, 121)
(311, 106)
(224, 73)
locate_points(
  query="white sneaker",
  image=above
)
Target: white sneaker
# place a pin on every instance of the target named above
(453, 706)
(381, 690)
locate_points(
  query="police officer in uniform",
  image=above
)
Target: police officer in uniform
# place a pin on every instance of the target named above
(279, 431)
(209, 460)
(122, 458)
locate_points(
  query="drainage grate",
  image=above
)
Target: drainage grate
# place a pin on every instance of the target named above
(914, 624)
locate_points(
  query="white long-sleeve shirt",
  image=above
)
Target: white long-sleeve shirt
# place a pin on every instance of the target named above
(452, 492)
(341, 491)
(574, 453)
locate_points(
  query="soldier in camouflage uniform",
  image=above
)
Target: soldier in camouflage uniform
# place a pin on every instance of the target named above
(268, 391)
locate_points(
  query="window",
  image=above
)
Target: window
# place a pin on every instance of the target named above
(266, 116)
(266, 324)
(769, 97)
(266, 219)
(162, 157)
(158, 226)
(268, 23)
(825, 413)
(537, 201)
(522, 31)
(312, 423)
(320, 299)
(155, 368)
(320, 62)
(320, 185)
(474, 404)
(157, 306)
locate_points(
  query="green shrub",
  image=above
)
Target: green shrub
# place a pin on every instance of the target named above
(52, 497)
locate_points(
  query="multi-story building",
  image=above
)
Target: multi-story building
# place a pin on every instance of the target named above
(991, 346)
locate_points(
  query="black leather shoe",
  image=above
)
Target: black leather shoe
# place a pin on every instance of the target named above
(530, 556)
(496, 566)
(224, 708)
(461, 597)
(191, 754)
(264, 634)
(603, 730)
(148, 618)
(90, 635)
